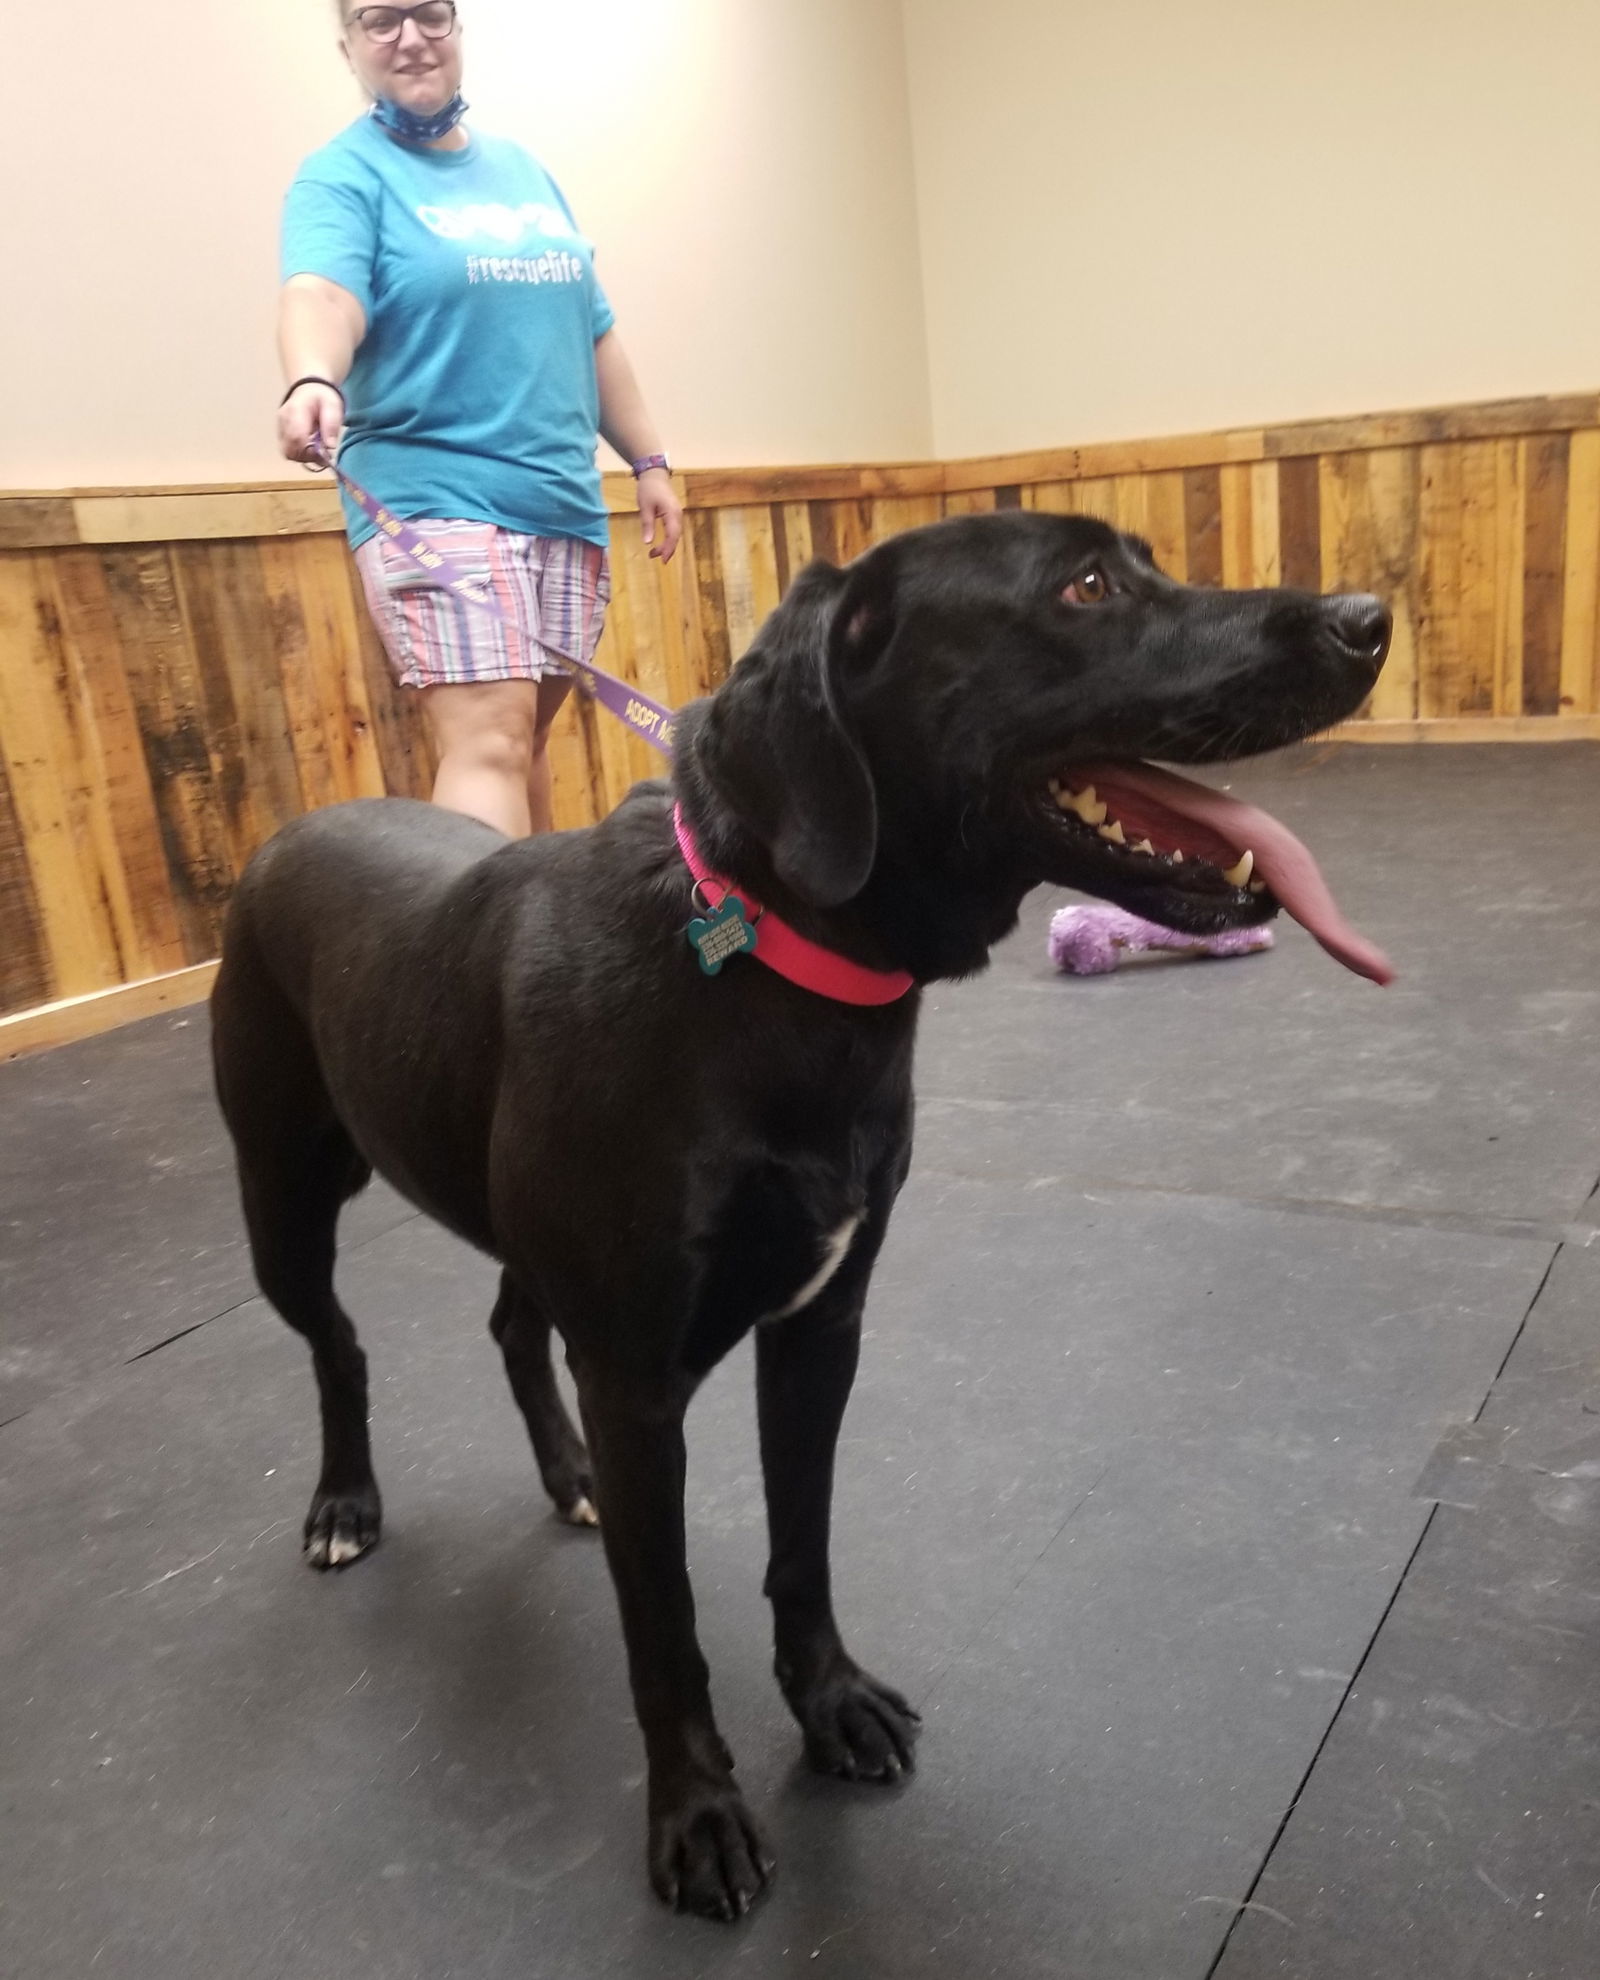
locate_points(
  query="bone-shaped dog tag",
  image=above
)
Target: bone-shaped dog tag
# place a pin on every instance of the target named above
(722, 933)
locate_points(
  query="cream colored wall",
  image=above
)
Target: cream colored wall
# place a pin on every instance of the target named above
(1157, 216)
(1026, 222)
(743, 164)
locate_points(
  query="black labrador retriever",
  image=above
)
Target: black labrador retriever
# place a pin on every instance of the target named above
(520, 1038)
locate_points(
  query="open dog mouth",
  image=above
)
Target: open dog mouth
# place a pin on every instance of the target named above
(1182, 853)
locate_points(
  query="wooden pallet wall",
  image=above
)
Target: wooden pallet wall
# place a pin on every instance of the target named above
(183, 670)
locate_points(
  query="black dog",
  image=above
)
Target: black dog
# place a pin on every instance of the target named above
(519, 1037)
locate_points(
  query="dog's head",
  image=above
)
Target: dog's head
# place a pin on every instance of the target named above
(967, 711)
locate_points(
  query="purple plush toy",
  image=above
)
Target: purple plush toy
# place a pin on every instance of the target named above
(1088, 941)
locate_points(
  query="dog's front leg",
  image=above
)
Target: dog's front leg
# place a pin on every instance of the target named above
(853, 1725)
(706, 1853)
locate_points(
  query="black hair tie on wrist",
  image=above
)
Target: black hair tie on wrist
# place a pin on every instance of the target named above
(311, 379)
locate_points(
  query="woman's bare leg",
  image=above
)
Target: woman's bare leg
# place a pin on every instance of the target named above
(553, 691)
(484, 732)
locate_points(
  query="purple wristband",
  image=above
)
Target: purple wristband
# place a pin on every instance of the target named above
(650, 461)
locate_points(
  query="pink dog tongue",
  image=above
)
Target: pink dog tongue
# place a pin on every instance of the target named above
(1160, 804)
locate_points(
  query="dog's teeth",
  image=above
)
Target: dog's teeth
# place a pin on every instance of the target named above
(1054, 787)
(1084, 803)
(1236, 876)
(1143, 846)
(1258, 886)
(1114, 832)
(1177, 855)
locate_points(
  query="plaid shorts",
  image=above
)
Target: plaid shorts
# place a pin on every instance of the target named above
(554, 589)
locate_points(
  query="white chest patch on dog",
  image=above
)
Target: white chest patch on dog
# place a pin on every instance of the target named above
(832, 1258)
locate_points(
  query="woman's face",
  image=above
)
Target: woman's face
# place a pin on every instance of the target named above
(414, 70)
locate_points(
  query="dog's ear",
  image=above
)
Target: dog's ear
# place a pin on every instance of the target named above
(778, 746)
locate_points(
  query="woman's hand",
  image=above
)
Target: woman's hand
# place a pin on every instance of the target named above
(660, 513)
(310, 413)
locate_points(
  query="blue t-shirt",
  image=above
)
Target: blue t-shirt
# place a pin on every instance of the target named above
(473, 393)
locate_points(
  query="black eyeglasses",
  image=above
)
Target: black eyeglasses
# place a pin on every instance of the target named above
(436, 18)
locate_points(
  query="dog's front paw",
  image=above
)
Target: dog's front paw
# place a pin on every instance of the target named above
(856, 1727)
(707, 1854)
(342, 1526)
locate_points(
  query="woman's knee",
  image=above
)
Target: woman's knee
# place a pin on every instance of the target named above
(492, 731)
(505, 748)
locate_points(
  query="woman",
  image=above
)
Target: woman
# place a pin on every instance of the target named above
(440, 316)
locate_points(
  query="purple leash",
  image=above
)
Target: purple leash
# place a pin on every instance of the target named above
(645, 716)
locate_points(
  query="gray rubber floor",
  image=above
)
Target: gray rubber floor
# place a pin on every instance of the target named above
(1222, 1483)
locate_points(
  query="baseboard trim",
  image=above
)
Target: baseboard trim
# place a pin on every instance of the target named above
(1474, 729)
(102, 1010)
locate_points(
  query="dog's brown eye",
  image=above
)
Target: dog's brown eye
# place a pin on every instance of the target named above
(1088, 588)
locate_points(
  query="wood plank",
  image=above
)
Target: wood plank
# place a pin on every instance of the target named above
(309, 650)
(617, 759)
(1510, 526)
(1476, 580)
(48, 769)
(638, 654)
(1097, 497)
(238, 626)
(126, 827)
(70, 1018)
(144, 518)
(1235, 527)
(677, 676)
(716, 652)
(692, 653)
(1202, 521)
(762, 550)
(572, 791)
(795, 548)
(1130, 499)
(290, 655)
(1104, 460)
(1497, 419)
(168, 700)
(1344, 511)
(1392, 493)
(36, 522)
(968, 501)
(893, 514)
(1540, 551)
(1165, 523)
(332, 627)
(741, 488)
(738, 581)
(24, 966)
(1266, 534)
(1439, 622)
(846, 528)
(1300, 524)
(1580, 582)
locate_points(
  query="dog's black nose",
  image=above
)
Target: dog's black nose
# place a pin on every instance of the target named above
(1361, 625)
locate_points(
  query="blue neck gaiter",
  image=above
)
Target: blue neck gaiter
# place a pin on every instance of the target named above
(412, 129)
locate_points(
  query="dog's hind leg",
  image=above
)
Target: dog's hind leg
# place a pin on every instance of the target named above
(297, 1167)
(523, 1334)
(805, 1365)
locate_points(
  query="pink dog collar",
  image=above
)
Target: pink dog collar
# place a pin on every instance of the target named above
(789, 953)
